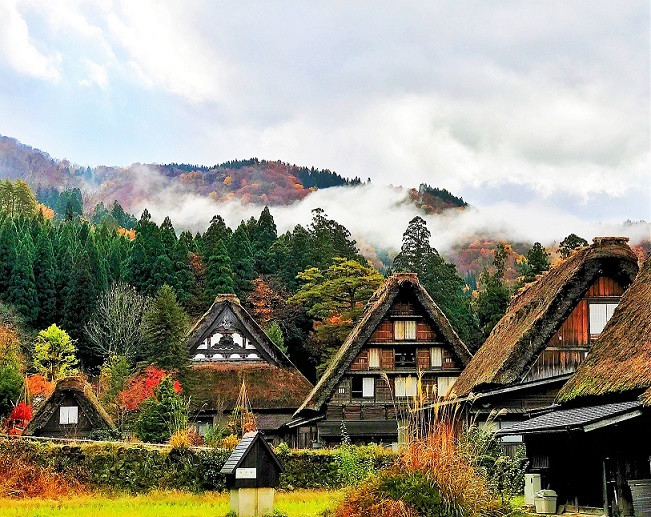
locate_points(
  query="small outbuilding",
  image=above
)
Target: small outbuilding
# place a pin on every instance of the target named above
(252, 473)
(71, 411)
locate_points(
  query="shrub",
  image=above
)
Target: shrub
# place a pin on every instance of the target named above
(161, 416)
(393, 493)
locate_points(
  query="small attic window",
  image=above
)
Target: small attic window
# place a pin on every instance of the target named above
(68, 415)
(600, 313)
(404, 330)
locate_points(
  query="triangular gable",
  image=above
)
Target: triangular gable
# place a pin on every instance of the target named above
(376, 309)
(244, 448)
(620, 360)
(226, 316)
(537, 312)
(86, 401)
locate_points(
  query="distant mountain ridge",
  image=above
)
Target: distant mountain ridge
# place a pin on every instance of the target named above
(257, 181)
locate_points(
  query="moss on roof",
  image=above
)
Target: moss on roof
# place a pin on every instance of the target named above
(620, 359)
(539, 309)
(216, 386)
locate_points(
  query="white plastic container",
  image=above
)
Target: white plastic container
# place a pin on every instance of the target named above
(545, 501)
(532, 484)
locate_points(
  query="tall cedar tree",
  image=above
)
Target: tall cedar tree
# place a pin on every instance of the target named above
(265, 234)
(439, 278)
(219, 274)
(165, 326)
(494, 298)
(45, 280)
(79, 304)
(21, 291)
(243, 261)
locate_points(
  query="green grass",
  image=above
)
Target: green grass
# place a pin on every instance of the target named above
(303, 503)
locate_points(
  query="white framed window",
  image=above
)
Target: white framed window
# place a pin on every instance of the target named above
(600, 313)
(373, 357)
(436, 357)
(342, 390)
(404, 330)
(406, 386)
(368, 387)
(444, 384)
(68, 415)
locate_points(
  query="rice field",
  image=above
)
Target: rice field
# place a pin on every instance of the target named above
(303, 503)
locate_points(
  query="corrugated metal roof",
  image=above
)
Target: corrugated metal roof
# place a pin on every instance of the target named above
(575, 418)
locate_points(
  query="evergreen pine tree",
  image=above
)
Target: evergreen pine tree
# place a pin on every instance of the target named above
(45, 281)
(165, 325)
(219, 274)
(21, 291)
(263, 237)
(243, 261)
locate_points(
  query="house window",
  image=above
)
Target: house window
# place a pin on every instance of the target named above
(404, 330)
(600, 313)
(373, 357)
(342, 390)
(406, 386)
(405, 357)
(363, 387)
(443, 385)
(68, 415)
(436, 354)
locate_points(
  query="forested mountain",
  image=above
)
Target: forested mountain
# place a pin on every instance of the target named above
(262, 182)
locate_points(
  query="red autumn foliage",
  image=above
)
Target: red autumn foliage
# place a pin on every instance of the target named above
(142, 386)
(21, 413)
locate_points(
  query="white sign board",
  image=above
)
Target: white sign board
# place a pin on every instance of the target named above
(245, 473)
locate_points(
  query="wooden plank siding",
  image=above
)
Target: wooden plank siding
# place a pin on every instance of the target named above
(569, 346)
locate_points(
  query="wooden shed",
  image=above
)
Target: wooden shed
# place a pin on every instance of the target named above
(71, 411)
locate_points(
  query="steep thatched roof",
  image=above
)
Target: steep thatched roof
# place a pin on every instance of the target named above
(216, 386)
(620, 360)
(646, 397)
(83, 394)
(376, 308)
(537, 312)
(229, 302)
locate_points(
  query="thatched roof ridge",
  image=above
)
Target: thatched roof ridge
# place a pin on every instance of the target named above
(376, 308)
(620, 360)
(536, 313)
(200, 330)
(84, 394)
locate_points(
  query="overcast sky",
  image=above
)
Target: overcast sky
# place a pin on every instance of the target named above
(539, 104)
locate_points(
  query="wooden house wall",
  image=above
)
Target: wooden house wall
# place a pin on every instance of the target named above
(342, 406)
(56, 430)
(570, 345)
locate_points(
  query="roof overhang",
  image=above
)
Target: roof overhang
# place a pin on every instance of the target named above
(580, 420)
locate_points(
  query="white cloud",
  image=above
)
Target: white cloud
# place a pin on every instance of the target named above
(97, 75)
(17, 48)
